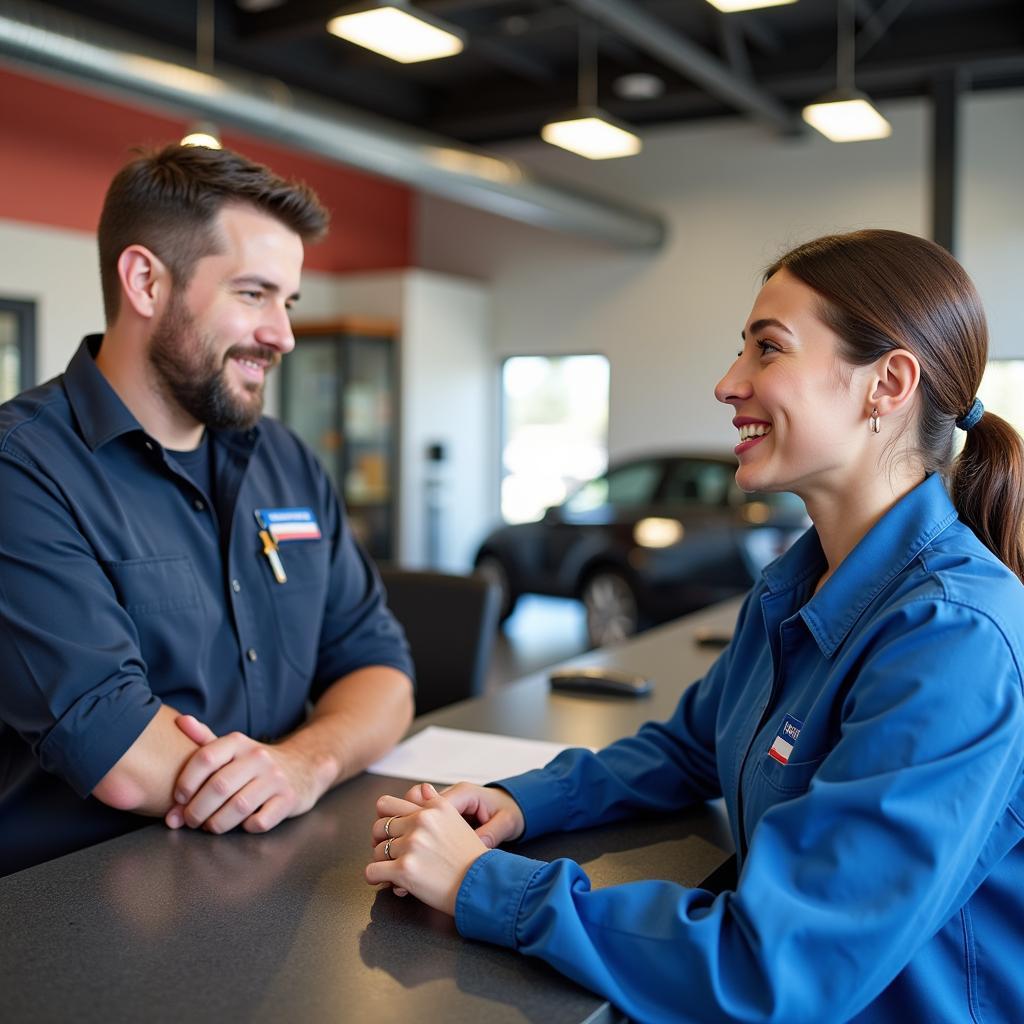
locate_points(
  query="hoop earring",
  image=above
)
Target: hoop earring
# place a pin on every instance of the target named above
(873, 421)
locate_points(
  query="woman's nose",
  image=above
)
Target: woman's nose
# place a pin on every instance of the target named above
(734, 386)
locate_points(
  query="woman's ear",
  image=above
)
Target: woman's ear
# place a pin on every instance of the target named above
(144, 279)
(897, 375)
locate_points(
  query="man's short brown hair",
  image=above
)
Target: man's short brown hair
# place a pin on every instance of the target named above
(168, 200)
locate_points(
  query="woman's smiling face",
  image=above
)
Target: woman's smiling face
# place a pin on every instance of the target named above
(801, 411)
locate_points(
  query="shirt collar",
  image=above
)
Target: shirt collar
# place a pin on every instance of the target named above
(881, 554)
(101, 414)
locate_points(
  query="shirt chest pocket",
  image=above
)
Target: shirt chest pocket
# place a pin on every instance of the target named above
(161, 596)
(149, 586)
(771, 783)
(791, 779)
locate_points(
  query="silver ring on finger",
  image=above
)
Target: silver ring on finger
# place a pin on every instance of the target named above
(387, 827)
(387, 849)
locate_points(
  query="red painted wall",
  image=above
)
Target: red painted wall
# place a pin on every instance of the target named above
(59, 148)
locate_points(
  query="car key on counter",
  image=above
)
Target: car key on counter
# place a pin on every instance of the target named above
(596, 679)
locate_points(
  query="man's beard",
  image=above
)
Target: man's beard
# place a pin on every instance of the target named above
(190, 373)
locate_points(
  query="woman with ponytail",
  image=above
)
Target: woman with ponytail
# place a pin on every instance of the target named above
(865, 726)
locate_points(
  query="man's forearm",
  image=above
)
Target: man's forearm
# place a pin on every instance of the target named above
(357, 720)
(142, 781)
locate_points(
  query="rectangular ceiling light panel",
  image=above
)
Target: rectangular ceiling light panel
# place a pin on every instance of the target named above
(591, 137)
(854, 120)
(395, 34)
(733, 6)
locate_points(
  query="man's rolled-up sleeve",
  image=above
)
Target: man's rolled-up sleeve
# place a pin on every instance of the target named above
(74, 682)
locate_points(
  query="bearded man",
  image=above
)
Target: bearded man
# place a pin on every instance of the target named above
(188, 629)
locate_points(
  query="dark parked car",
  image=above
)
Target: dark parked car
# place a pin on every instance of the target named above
(649, 540)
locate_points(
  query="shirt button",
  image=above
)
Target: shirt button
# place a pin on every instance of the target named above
(236, 586)
(199, 504)
(149, 445)
(251, 654)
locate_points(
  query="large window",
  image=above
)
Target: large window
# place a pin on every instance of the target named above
(554, 430)
(17, 347)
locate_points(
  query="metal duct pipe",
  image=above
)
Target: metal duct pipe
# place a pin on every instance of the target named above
(269, 109)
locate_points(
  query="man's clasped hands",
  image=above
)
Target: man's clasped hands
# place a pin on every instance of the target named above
(423, 843)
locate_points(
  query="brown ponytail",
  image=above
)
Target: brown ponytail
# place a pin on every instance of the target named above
(884, 290)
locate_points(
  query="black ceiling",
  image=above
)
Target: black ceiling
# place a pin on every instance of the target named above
(519, 67)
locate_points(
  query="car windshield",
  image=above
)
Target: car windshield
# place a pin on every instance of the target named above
(632, 484)
(698, 482)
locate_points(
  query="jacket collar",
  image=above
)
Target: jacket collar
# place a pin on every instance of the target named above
(880, 555)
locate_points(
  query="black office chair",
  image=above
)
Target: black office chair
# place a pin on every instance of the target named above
(450, 622)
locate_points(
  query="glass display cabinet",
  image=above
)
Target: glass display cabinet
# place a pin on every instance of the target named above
(17, 347)
(339, 393)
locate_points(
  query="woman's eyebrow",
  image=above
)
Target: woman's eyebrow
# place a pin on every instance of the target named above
(760, 325)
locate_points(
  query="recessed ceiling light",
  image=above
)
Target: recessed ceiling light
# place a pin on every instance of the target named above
(396, 33)
(255, 6)
(638, 86)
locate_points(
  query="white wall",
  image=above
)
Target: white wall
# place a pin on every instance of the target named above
(992, 213)
(446, 368)
(734, 196)
(59, 271)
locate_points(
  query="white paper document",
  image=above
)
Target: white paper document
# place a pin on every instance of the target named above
(454, 755)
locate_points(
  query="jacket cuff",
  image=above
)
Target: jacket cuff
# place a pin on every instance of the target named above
(542, 799)
(488, 901)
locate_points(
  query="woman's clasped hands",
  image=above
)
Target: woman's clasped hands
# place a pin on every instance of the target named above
(425, 842)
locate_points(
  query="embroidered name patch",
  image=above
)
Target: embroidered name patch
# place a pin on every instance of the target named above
(290, 523)
(783, 745)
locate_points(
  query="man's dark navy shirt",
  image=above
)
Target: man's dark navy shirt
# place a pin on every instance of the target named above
(123, 586)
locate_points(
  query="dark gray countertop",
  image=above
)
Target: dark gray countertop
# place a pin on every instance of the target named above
(161, 925)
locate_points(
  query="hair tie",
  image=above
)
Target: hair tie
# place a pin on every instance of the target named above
(971, 417)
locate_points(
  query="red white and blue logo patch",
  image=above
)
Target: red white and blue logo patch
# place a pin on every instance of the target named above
(290, 523)
(782, 748)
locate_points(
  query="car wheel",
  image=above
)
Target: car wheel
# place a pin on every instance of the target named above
(611, 606)
(492, 568)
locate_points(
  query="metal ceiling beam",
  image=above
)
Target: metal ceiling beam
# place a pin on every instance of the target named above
(731, 37)
(677, 52)
(908, 77)
(138, 72)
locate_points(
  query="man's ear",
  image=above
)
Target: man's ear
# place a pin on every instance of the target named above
(145, 280)
(897, 375)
